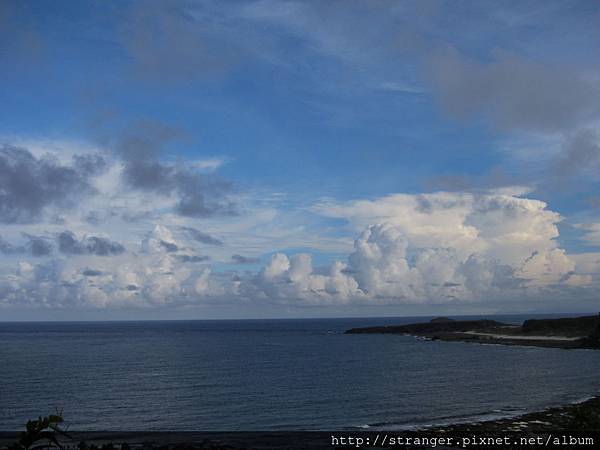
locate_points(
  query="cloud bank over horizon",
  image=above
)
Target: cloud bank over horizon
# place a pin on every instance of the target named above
(120, 247)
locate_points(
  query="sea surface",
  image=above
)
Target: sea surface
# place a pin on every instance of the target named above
(272, 375)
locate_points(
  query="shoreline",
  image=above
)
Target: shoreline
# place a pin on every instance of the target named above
(550, 427)
(567, 333)
(473, 337)
(489, 339)
(580, 415)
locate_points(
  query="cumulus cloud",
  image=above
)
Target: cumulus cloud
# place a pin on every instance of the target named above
(93, 278)
(432, 249)
(381, 270)
(294, 279)
(506, 227)
(60, 283)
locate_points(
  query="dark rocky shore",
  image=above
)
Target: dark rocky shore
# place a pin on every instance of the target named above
(564, 422)
(566, 333)
(580, 417)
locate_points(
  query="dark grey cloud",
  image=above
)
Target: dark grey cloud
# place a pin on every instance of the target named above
(203, 195)
(35, 246)
(39, 246)
(520, 95)
(92, 245)
(199, 194)
(90, 164)
(513, 92)
(581, 154)
(140, 146)
(101, 246)
(93, 218)
(192, 258)
(132, 216)
(199, 236)
(68, 243)
(574, 169)
(169, 246)
(594, 201)
(239, 259)
(91, 272)
(150, 175)
(29, 184)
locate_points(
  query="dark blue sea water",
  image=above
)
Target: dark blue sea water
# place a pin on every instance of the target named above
(271, 375)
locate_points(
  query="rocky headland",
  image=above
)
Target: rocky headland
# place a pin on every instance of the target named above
(567, 333)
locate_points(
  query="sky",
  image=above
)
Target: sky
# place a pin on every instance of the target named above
(274, 158)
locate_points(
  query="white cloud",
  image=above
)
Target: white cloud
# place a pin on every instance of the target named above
(294, 280)
(384, 269)
(209, 165)
(503, 227)
(436, 248)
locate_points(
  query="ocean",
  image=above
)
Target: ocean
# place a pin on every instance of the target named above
(272, 375)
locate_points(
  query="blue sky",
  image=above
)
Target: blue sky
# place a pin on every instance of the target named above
(287, 130)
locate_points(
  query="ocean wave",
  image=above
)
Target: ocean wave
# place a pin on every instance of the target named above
(422, 422)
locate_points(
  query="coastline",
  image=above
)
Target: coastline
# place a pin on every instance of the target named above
(487, 339)
(581, 416)
(576, 419)
(569, 333)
